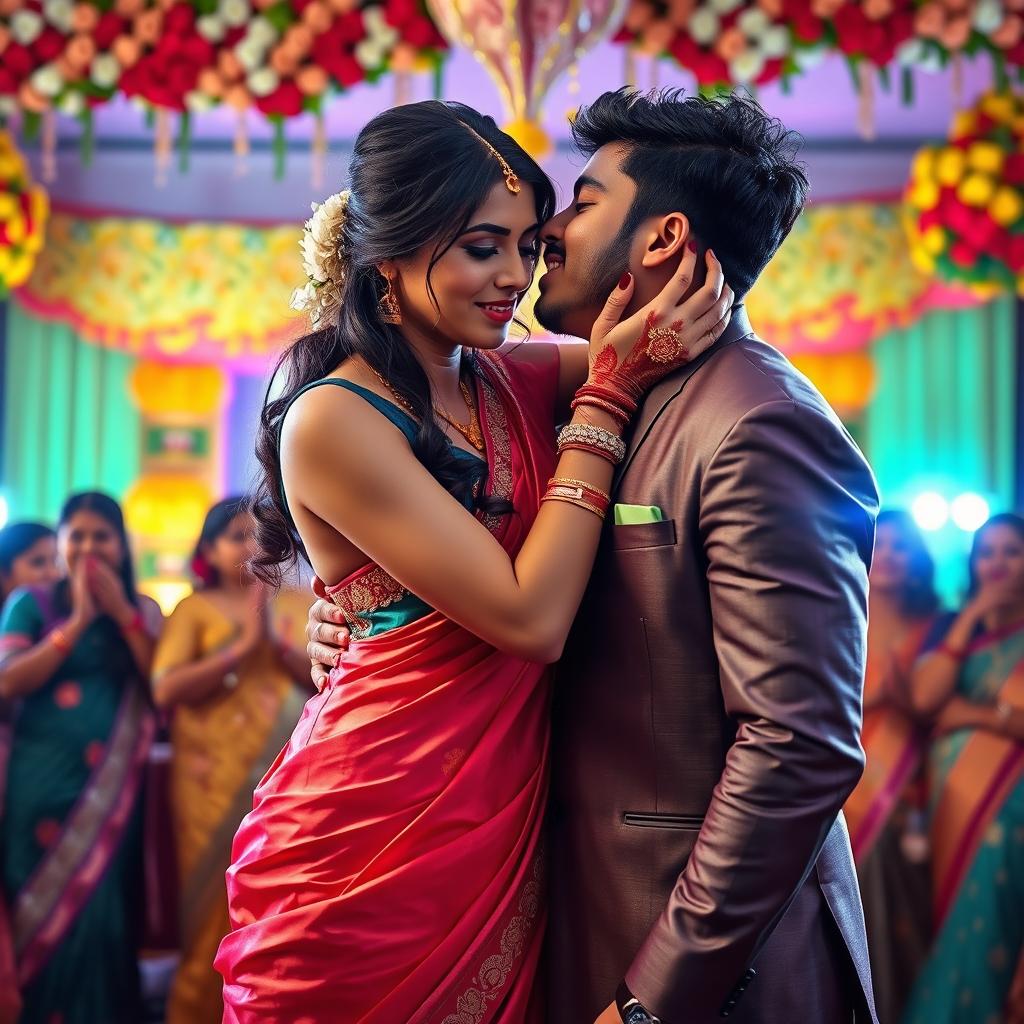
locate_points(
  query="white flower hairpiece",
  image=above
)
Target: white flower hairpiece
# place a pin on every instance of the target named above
(322, 258)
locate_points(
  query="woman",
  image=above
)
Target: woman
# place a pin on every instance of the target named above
(973, 684)
(76, 657)
(228, 669)
(28, 557)
(390, 870)
(882, 812)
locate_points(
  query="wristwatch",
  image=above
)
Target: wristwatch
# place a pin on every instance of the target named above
(630, 1008)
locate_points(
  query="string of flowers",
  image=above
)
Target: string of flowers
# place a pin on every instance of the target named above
(24, 208)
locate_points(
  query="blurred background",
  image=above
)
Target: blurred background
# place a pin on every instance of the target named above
(158, 157)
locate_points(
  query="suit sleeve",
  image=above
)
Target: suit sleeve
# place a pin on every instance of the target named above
(787, 524)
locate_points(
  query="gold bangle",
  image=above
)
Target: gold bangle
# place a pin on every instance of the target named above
(578, 502)
(569, 481)
(60, 640)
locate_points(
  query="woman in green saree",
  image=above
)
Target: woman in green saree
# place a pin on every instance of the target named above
(75, 657)
(973, 683)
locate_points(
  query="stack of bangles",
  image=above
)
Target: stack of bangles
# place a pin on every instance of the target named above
(585, 437)
(578, 493)
(620, 407)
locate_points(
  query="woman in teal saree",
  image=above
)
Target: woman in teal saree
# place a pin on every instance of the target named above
(973, 681)
(75, 659)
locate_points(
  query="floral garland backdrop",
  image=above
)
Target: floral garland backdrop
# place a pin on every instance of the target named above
(220, 292)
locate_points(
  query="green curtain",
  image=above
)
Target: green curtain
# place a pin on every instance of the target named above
(943, 418)
(69, 423)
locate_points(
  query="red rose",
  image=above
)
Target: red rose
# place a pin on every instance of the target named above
(348, 71)
(180, 19)
(960, 218)
(1016, 253)
(197, 51)
(107, 30)
(18, 60)
(285, 100)
(930, 219)
(420, 32)
(49, 45)
(1013, 169)
(181, 79)
(350, 28)
(398, 12)
(963, 255)
(7, 82)
(851, 29)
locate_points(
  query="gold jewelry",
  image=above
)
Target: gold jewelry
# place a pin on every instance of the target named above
(388, 309)
(1003, 711)
(578, 502)
(472, 432)
(511, 178)
(568, 481)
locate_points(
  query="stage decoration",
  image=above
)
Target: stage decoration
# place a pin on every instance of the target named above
(23, 211)
(725, 43)
(843, 278)
(846, 379)
(526, 45)
(965, 200)
(176, 293)
(181, 467)
(279, 57)
(219, 293)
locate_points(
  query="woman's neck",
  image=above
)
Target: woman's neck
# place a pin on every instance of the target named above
(442, 363)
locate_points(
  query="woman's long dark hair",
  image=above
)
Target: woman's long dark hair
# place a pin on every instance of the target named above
(417, 176)
(108, 509)
(919, 597)
(1010, 519)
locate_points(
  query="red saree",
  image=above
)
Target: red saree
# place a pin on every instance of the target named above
(391, 871)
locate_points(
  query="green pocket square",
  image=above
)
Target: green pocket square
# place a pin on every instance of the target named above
(633, 515)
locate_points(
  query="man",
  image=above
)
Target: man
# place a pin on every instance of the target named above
(708, 704)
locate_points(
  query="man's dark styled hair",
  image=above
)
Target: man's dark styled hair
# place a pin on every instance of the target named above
(723, 162)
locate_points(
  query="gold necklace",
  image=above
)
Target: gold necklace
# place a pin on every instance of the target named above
(472, 431)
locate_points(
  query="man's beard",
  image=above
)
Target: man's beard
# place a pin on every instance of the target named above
(598, 277)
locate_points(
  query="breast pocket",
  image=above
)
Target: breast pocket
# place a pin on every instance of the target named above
(644, 535)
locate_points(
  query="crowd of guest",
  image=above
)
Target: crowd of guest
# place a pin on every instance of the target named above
(90, 671)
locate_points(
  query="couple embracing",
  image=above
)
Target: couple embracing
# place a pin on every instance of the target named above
(672, 514)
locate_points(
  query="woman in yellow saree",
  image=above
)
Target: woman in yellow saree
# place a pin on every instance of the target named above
(228, 665)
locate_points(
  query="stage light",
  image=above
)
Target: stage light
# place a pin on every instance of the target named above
(4, 512)
(969, 511)
(930, 511)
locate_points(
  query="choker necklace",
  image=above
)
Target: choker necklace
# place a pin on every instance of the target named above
(472, 431)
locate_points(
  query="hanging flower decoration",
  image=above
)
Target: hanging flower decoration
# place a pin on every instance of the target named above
(63, 55)
(965, 200)
(725, 42)
(23, 211)
(867, 30)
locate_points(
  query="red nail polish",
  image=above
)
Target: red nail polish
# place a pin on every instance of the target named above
(691, 245)
(625, 279)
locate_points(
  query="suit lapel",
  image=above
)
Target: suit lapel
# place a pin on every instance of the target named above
(661, 394)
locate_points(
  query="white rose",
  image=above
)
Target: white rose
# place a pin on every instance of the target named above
(8, 106)
(303, 298)
(234, 12)
(26, 26)
(261, 32)
(704, 26)
(753, 22)
(263, 81)
(249, 56)
(377, 28)
(725, 6)
(809, 57)
(775, 42)
(211, 28)
(369, 54)
(59, 13)
(198, 102)
(988, 15)
(47, 81)
(72, 103)
(105, 70)
(747, 66)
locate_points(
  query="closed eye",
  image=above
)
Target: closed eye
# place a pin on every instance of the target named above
(580, 207)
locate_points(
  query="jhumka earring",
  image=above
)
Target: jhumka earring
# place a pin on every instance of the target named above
(388, 310)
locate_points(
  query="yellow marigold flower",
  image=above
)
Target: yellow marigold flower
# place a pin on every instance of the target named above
(1007, 206)
(986, 156)
(922, 260)
(963, 124)
(976, 190)
(8, 205)
(20, 268)
(16, 228)
(999, 106)
(933, 241)
(950, 166)
(924, 163)
(924, 195)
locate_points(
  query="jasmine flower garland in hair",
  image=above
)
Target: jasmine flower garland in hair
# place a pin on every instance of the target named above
(322, 258)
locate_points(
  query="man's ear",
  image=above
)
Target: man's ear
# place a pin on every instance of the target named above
(665, 239)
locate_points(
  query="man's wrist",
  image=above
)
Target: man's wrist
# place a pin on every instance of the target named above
(631, 1010)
